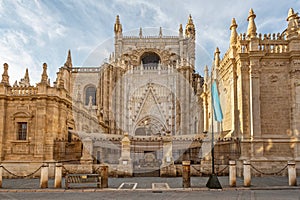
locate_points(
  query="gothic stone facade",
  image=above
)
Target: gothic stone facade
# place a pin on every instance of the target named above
(258, 80)
(147, 109)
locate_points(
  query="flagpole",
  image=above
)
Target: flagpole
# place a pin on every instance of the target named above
(213, 181)
(212, 127)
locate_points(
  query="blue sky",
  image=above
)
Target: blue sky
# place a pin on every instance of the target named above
(36, 31)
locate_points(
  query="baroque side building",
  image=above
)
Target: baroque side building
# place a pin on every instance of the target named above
(146, 110)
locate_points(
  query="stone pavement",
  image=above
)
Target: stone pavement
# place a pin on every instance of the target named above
(146, 183)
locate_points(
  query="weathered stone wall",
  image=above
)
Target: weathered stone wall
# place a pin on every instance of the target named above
(275, 98)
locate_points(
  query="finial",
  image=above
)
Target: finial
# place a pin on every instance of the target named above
(26, 77)
(190, 27)
(206, 73)
(68, 62)
(25, 82)
(160, 32)
(190, 19)
(141, 32)
(180, 31)
(293, 24)
(5, 77)
(251, 31)
(217, 57)
(118, 26)
(44, 74)
(291, 14)
(233, 36)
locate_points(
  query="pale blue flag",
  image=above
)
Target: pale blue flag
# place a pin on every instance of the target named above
(216, 103)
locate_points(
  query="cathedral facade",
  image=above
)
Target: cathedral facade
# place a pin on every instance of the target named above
(146, 110)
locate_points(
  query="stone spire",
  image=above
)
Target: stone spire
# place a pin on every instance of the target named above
(141, 32)
(217, 57)
(25, 82)
(180, 30)
(233, 36)
(251, 31)
(68, 62)
(160, 32)
(190, 28)
(5, 77)
(206, 74)
(291, 14)
(118, 26)
(44, 74)
(293, 23)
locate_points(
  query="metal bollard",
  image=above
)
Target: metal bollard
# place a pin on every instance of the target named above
(232, 173)
(58, 175)
(186, 174)
(44, 176)
(247, 173)
(292, 173)
(104, 176)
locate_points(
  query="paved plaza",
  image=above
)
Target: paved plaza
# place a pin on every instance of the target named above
(174, 183)
(154, 188)
(166, 195)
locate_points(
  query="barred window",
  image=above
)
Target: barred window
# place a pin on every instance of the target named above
(22, 131)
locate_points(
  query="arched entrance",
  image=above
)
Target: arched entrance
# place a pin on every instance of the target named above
(147, 151)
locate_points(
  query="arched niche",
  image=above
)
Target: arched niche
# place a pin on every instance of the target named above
(150, 60)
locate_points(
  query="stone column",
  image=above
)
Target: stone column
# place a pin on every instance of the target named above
(292, 173)
(247, 173)
(87, 151)
(232, 173)
(1, 174)
(186, 174)
(167, 167)
(125, 163)
(44, 176)
(104, 176)
(58, 175)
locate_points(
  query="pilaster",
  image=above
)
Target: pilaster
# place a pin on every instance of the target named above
(2, 126)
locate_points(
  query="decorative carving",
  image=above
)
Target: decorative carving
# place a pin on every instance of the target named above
(273, 78)
(134, 56)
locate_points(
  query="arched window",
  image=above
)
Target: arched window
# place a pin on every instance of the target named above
(150, 60)
(90, 92)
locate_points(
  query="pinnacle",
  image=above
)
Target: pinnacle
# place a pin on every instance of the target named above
(233, 23)
(251, 14)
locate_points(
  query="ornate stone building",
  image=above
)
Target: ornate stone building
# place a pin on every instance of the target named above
(146, 109)
(258, 80)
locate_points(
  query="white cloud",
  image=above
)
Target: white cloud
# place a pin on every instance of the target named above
(33, 32)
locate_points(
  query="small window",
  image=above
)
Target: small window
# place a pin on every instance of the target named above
(22, 131)
(90, 92)
(69, 137)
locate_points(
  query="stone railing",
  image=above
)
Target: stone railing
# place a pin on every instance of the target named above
(150, 37)
(86, 69)
(152, 67)
(273, 46)
(267, 43)
(23, 91)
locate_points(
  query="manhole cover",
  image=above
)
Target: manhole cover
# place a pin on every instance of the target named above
(160, 186)
(127, 186)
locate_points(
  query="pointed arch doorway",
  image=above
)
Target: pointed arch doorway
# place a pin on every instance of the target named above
(147, 146)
